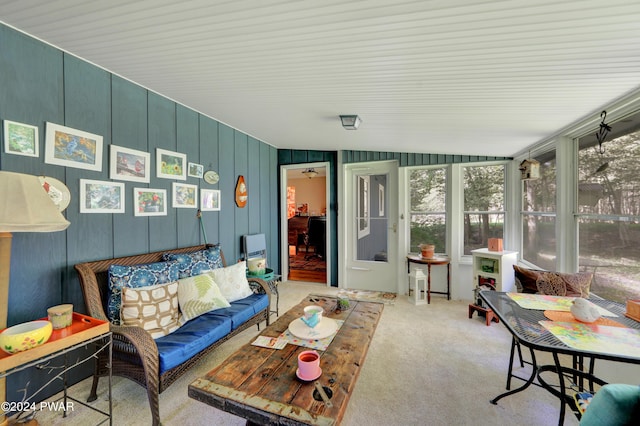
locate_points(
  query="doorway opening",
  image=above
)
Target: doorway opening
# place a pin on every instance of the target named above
(305, 213)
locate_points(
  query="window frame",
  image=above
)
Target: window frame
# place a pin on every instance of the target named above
(447, 201)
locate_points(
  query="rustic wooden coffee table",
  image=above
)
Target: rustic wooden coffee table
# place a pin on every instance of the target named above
(260, 384)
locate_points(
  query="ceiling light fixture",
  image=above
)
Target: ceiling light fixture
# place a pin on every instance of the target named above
(310, 173)
(350, 122)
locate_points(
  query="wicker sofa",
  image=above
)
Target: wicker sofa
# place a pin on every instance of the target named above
(136, 355)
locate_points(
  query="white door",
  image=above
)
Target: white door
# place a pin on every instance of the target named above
(371, 191)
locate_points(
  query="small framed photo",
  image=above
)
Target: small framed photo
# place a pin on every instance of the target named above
(185, 196)
(21, 139)
(171, 165)
(97, 196)
(209, 200)
(149, 202)
(69, 147)
(196, 170)
(129, 164)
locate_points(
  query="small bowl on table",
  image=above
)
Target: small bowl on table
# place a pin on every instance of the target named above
(25, 336)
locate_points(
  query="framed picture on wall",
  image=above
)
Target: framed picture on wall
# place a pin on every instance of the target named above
(380, 200)
(171, 165)
(97, 196)
(185, 196)
(149, 202)
(21, 139)
(69, 147)
(129, 164)
(196, 170)
(209, 200)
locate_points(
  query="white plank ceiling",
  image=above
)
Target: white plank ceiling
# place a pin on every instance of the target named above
(475, 77)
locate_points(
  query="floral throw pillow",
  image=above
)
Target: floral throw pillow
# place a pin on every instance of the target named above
(232, 281)
(196, 263)
(121, 276)
(199, 294)
(154, 308)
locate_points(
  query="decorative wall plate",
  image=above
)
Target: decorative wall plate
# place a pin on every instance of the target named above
(241, 192)
(211, 177)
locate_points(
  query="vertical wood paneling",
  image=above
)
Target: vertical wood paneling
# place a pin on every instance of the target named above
(254, 174)
(241, 163)
(188, 140)
(227, 185)
(162, 134)
(315, 156)
(274, 219)
(269, 209)
(130, 129)
(407, 159)
(209, 158)
(299, 156)
(87, 108)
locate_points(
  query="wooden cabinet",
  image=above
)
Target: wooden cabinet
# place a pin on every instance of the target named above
(494, 268)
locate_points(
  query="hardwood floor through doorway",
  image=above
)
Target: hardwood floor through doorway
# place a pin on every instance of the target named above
(308, 276)
(307, 267)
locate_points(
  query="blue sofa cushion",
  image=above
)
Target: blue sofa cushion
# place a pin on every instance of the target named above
(193, 337)
(134, 277)
(196, 263)
(203, 331)
(241, 310)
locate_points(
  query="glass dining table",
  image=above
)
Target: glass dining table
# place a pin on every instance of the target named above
(544, 324)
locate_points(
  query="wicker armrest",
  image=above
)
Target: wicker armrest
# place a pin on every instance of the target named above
(262, 283)
(136, 344)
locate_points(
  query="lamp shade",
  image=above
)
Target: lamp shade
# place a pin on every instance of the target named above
(26, 206)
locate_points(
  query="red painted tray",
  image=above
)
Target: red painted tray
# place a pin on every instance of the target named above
(82, 328)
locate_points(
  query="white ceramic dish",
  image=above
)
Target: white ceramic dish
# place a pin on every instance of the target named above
(325, 328)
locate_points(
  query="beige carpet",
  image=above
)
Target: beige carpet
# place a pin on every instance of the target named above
(427, 365)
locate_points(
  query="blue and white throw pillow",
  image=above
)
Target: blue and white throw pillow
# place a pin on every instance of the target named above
(196, 263)
(134, 277)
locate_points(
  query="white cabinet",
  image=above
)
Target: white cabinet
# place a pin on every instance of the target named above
(494, 268)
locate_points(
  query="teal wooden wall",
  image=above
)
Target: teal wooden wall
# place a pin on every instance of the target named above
(38, 84)
(407, 159)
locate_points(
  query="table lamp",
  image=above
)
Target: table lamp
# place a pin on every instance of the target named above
(25, 206)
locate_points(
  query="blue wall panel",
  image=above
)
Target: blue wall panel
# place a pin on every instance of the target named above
(188, 142)
(87, 107)
(162, 134)
(227, 187)
(130, 130)
(209, 158)
(253, 172)
(241, 161)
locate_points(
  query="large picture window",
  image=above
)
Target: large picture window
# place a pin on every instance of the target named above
(428, 195)
(539, 215)
(609, 214)
(484, 210)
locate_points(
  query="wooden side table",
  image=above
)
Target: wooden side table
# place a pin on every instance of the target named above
(431, 261)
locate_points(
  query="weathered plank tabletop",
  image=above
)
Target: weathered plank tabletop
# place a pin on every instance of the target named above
(260, 384)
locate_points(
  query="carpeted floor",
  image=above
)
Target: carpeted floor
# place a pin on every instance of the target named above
(427, 365)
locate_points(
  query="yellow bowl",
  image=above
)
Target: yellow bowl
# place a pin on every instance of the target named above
(25, 336)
